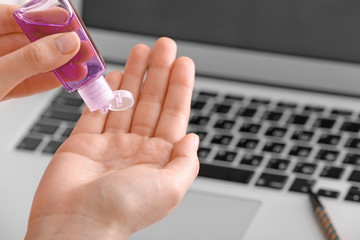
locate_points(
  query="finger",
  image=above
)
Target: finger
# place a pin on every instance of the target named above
(174, 116)
(184, 164)
(12, 42)
(55, 15)
(94, 122)
(36, 84)
(135, 69)
(40, 56)
(151, 99)
(7, 21)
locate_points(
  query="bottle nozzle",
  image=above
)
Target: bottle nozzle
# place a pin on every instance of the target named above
(98, 95)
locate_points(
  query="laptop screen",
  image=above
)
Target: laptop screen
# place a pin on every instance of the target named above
(328, 29)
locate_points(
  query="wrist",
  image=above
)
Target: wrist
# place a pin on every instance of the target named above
(69, 227)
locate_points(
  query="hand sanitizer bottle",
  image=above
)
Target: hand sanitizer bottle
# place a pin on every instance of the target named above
(84, 72)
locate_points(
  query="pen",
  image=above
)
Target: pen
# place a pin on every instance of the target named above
(323, 218)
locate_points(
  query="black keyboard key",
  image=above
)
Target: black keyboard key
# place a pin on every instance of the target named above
(202, 135)
(221, 108)
(298, 119)
(329, 139)
(199, 120)
(278, 164)
(353, 194)
(332, 172)
(271, 181)
(221, 139)
(233, 98)
(252, 160)
(250, 128)
(29, 143)
(248, 143)
(275, 131)
(272, 115)
(65, 108)
(302, 185)
(300, 151)
(274, 147)
(324, 123)
(226, 156)
(289, 105)
(260, 101)
(327, 155)
(355, 176)
(317, 109)
(305, 168)
(52, 147)
(225, 173)
(76, 102)
(203, 152)
(352, 158)
(44, 128)
(302, 135)
(67, 132)
(246, 112)
(224, 124)
(328, 193)
(341, 112)
(197, 105)
(207, 94)
(353, 143)
(348, 126)
(62, 115)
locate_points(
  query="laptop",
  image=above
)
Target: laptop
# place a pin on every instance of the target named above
(276, 105)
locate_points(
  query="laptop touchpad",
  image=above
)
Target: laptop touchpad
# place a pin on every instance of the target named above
(204, 216)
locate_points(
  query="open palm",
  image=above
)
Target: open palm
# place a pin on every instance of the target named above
(120, 172)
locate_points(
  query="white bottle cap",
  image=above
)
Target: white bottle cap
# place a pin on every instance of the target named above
(98, 95)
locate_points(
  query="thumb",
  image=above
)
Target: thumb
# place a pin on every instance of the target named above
(40, 56)
(184, 162)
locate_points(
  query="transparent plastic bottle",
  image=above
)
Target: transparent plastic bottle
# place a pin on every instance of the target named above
(84, 72)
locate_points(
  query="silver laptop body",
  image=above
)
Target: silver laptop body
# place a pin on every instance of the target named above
(248, 102)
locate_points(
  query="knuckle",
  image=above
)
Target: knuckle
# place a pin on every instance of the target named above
(178, 112)
(34, 56)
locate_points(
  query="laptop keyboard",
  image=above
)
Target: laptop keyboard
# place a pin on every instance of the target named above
(54, 125)
(260, 142)
(276, 145)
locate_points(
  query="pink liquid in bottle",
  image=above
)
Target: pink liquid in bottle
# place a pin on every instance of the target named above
(40, 18)
(36, 23)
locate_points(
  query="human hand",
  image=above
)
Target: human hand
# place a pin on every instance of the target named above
(120, 172)
(25, 67)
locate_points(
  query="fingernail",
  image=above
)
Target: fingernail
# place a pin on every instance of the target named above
(196, 141)
(66, 42)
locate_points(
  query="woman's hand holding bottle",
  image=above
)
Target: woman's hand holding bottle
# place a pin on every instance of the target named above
(25, 68)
